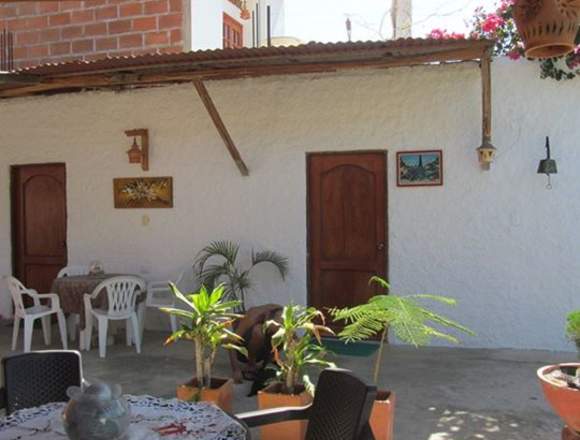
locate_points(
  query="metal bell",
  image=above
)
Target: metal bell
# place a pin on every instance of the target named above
(548, 166)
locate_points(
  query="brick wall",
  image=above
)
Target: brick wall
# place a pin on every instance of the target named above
(54, 31)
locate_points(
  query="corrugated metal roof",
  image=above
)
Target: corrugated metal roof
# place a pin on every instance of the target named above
(151, 70)
(392, 48)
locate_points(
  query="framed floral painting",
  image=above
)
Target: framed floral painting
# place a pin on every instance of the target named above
(420, 168)
(143, 192)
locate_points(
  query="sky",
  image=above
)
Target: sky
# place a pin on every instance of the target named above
(324, 20)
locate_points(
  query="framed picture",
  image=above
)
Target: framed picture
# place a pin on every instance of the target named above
(143, 192)
(420, 168)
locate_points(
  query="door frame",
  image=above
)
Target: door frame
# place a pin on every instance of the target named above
(14, 208)
(309, 154)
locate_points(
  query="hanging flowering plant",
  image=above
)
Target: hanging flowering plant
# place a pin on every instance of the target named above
(500, 26)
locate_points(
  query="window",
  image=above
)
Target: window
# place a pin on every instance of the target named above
(233, 33)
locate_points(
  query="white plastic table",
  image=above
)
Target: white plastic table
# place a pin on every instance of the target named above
(151, 419)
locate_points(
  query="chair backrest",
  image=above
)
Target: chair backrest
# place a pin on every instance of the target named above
(40, 377)
(16, 289)
(341, 408)
(121, 293)
(71, 271)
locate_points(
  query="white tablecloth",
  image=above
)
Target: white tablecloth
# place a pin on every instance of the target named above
(178, 420)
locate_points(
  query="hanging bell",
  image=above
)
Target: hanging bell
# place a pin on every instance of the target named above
(548, 166)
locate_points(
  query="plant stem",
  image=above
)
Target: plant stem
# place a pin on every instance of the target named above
(198, 362)
(379, 359)
(207, 372)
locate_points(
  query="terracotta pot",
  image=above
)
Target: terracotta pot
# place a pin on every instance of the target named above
(564, 400)
(547, 27)
(383, 415)
(271, 397)
(221, 392)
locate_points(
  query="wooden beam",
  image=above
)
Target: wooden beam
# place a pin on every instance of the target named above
(173, 74)
(221, 128)
(7, 78)
(486, 96)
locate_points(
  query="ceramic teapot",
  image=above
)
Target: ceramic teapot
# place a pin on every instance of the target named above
(99, 413)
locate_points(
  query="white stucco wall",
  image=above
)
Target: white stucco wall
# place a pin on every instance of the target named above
(498, 241)
(206, 24)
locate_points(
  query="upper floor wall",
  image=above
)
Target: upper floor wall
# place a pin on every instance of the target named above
(57, 31)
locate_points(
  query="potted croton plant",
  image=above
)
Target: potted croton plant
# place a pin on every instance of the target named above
(561, 383)
(206, 322)
(409, 320)
(296, 343)
(573, 328)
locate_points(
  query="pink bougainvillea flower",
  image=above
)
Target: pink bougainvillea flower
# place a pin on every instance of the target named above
(443, 34)
(514, 54)
(491, 23)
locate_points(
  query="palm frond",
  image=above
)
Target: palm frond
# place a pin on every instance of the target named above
(221, 248)
(274, 258)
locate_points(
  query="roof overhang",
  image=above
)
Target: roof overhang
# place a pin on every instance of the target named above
(159, 69)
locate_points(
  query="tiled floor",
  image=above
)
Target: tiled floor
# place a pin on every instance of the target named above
(442, 394)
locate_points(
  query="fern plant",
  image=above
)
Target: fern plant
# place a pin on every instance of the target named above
(405, 315)
(218, 262)
(206, 322)
(573, 327)
(297, 345)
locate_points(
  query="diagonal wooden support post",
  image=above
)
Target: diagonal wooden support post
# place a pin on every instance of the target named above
(220, 126)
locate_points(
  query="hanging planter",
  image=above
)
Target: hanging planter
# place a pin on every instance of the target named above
(548, 28)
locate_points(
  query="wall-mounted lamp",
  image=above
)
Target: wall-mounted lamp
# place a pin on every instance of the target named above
(139, 154)
(548, 165)
(486, 154)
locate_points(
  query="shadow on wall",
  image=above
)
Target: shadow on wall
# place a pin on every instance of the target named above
(453, 424)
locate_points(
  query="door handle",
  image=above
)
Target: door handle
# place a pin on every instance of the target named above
(381, 246)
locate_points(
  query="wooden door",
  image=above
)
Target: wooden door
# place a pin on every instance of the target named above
(39, 223)
(347, 226)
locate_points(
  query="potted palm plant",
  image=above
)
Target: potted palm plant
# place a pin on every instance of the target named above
(411, 323)
(236, 279)
(206, 321)
(573, 328)
(296, 343)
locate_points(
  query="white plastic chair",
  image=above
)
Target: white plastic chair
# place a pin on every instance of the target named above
(159, 295)
(73, 319)
(121, 296)
(71, 271)
(30, 314)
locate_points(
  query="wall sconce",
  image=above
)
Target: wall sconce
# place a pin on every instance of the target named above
(548, 166)
(139, 154)
(486, 154)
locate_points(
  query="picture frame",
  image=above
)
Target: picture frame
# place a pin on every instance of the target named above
(420, 168)
(143, 192)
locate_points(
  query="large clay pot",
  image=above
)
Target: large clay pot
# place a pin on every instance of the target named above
(383, 415)
(547, 27)
(563, 399)
(221, 392)
(271, 397)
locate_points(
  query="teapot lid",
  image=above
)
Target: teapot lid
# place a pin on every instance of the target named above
(98, 391)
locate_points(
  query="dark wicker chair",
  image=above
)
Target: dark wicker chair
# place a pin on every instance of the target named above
(340, 411)
(40, 377)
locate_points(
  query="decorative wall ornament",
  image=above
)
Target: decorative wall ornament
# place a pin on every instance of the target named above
(143, 192)
(139, 154)
(420, 168)
(548, 165)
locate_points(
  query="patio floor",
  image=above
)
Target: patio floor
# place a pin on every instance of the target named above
(442, 393)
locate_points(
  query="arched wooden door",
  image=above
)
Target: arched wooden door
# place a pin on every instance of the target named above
(347, 226)
(39, 223)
